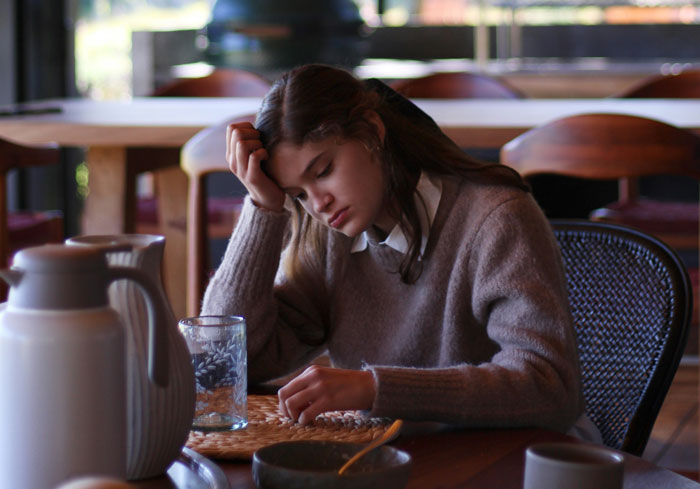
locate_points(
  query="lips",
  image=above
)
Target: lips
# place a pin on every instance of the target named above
(338, 218)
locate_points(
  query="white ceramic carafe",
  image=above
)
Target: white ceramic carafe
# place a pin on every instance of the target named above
(62, 367)
(158, 418)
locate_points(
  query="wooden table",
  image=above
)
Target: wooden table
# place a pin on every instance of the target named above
(471, 459)
(170, 122)
(109, 129)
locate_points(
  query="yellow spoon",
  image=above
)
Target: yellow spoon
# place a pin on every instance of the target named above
(388, 435)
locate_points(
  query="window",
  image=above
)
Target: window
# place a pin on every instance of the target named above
(103, 36)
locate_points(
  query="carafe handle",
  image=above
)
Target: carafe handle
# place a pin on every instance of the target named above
(157, 322)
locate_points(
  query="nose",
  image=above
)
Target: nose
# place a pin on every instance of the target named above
(321, 201)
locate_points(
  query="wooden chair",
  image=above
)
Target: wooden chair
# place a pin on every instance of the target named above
(631, 303)
(623, 148)
(169, 180)
(222, 82)
(202, 155)
(25, 228)
(683, 85)
(150, 217)
(456, 85)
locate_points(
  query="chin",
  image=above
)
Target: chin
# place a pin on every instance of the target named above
(350, 231)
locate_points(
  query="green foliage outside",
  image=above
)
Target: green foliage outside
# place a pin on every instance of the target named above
(103, 39)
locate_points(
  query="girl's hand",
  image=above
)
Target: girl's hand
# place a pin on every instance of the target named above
(320, 389)
(244, 154)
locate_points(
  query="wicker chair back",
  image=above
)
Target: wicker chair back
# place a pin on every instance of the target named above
(631, 303)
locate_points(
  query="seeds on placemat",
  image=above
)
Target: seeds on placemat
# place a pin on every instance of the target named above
(266, 425)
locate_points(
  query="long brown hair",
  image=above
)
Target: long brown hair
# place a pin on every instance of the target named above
(313, 102)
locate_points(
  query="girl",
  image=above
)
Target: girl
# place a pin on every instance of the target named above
(433, 281)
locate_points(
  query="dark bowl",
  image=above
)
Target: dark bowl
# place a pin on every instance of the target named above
(315, 464)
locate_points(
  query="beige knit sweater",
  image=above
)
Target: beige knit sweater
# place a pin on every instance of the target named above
(484, 337)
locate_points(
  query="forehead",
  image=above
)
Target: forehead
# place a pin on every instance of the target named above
(292, 150)
(288, 161)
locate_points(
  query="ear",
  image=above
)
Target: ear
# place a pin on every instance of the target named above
(374, 119)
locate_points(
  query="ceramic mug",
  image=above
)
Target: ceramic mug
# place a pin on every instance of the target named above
(572, 466)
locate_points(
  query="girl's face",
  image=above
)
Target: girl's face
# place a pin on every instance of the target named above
(339, 183)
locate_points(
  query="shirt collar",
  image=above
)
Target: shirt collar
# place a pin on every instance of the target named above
(427, 198)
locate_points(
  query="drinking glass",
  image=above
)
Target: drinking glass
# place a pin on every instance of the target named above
(217, 346)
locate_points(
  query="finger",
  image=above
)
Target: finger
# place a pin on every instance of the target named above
(300, 402)
(255, 171)
(244, 131)
(244, 148)
(294, 386)
(282, 404)
(243, 151)
(282, 396)
(229, 143)
(241, 126)
(308, 415)
(282, 407)
(251, 144)
(306, 396)
(236, 133)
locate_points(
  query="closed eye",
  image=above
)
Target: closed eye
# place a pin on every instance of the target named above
(326, 171)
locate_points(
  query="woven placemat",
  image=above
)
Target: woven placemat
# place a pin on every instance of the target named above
(266, 425)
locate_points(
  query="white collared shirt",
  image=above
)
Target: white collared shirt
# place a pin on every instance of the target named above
(427, 198)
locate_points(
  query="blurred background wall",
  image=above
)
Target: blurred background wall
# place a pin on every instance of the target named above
(116, 49)
(130, 46)
(37, 56)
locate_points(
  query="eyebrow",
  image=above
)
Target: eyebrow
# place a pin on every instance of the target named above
(309, 166)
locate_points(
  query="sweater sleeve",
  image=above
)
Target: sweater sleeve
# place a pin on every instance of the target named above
(247, 283)
(518, 297)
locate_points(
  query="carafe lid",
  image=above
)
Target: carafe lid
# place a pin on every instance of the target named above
(58, 277)
(56, 258)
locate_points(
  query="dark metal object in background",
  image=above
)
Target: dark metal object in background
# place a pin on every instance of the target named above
(268, 36)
